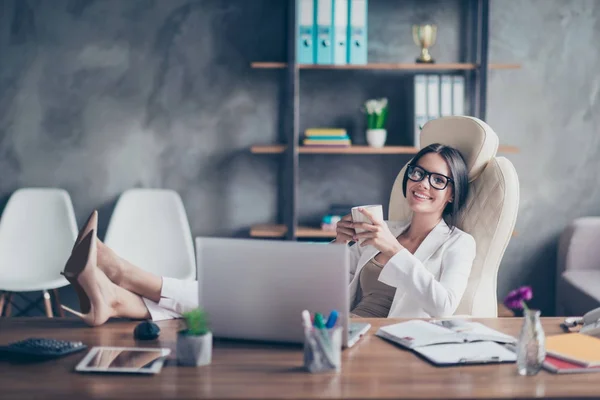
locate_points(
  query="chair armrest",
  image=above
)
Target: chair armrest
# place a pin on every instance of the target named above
(579, 245)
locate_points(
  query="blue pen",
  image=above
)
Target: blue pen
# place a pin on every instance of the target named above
(332, 319)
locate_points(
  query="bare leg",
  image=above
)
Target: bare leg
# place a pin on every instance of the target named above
(128, 276)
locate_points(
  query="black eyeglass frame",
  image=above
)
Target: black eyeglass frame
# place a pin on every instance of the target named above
(427, 174)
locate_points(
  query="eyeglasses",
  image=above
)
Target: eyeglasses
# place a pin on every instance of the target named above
(437, 181)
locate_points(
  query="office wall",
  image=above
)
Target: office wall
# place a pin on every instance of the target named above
(98, 96)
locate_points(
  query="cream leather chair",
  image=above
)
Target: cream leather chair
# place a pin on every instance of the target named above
(491, 209)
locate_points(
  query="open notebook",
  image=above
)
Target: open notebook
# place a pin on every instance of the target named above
(451, 342)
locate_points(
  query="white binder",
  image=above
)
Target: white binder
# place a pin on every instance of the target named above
(340, 32)
(446, 96)
(433, 97)
(458, 95)
(420, 86)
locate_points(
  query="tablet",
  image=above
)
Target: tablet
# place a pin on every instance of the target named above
(136, 360)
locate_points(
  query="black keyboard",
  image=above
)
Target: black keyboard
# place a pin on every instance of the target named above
(41, 348)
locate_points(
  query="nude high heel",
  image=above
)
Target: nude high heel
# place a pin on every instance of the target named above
(90, 225)
(80, 271)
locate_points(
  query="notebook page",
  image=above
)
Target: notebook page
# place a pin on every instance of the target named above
(471, 331)
(467, 353)
(416, 333)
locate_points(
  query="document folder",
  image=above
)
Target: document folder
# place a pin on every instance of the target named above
(305, 41)
(357, 31)
(340, 32)
(324, 31)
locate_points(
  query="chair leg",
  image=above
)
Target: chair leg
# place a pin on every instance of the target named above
(2, 299)
(48, 304)
(57, 304)
(8, 308)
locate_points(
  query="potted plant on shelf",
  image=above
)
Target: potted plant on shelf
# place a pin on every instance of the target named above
(377, 110)
(194, 344)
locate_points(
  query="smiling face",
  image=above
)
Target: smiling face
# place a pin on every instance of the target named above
(421, 196)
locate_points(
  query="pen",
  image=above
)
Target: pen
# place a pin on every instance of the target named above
(332, 319)
(306, 319)
(323, 338)
(319, 323)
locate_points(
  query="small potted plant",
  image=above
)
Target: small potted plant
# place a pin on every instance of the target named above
(377, 110)
(194, 344)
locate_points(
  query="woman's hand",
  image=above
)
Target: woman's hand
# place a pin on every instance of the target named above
(344, 230)
(377, 235)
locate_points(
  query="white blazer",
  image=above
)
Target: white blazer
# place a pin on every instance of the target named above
(429, 283)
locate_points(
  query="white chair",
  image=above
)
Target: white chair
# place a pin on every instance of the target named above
(149, 228)
(491, 209)
(37, 232)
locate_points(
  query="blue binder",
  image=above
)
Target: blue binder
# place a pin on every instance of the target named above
(357, 31)
(324, 31)
(340, 31)
(306, 34)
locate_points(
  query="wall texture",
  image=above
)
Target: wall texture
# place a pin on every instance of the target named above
(98, 96)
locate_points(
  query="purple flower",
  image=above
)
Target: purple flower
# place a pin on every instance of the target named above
(516, 299)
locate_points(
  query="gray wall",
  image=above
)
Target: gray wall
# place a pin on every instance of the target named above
(98, 96)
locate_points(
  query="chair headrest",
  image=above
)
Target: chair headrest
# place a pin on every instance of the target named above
(473, 138)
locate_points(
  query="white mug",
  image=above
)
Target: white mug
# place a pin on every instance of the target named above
(375, 209)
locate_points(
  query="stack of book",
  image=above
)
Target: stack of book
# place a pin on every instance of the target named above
(326, 137)
(572, 353)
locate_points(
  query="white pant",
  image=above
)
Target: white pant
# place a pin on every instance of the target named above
(176, 297)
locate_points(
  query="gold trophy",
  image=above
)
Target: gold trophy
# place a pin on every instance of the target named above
(424, 36)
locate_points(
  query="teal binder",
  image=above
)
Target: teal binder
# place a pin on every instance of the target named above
(357, 31)
(324, 31)
(306, 31)
(340, 31)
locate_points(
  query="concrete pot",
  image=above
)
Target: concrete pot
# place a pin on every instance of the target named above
(194, 351)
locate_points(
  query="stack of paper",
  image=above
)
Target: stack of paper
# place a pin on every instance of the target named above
(326, 137)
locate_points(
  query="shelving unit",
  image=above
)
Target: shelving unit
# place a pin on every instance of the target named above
(473, 65)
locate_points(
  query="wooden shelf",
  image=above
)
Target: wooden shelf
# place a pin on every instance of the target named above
(386, 66)
(277, 231)
(278, 149)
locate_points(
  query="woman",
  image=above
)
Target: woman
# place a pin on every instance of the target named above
(417, 268)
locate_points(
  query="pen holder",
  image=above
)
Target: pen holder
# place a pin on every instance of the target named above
(323, 349)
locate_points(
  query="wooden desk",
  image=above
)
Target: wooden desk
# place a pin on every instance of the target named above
(373, 368)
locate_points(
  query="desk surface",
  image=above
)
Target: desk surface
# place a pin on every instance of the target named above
(373, 368)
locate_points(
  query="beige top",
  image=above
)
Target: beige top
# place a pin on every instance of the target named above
(377, 297)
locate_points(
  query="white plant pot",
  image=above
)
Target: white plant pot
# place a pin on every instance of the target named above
(194, 351)
(376, 137)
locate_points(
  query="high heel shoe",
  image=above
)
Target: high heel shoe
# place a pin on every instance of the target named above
(80, 271)
(90, 225)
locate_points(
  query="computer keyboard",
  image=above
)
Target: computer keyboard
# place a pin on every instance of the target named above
(41, 348)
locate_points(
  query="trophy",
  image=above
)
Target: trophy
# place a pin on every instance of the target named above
(424, 37)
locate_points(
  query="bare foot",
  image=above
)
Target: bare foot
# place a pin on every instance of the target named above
(99, 291)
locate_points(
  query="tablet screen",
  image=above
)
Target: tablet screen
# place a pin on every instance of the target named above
(123, 359)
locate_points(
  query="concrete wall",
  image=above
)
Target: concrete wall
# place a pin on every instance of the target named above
(98, 96)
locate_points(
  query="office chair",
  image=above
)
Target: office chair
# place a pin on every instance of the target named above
(37, 232)
(490, 212)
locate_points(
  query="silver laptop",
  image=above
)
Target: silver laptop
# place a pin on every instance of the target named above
(257, 289)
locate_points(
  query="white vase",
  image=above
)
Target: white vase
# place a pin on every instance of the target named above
(194, 351)
(376, 137)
